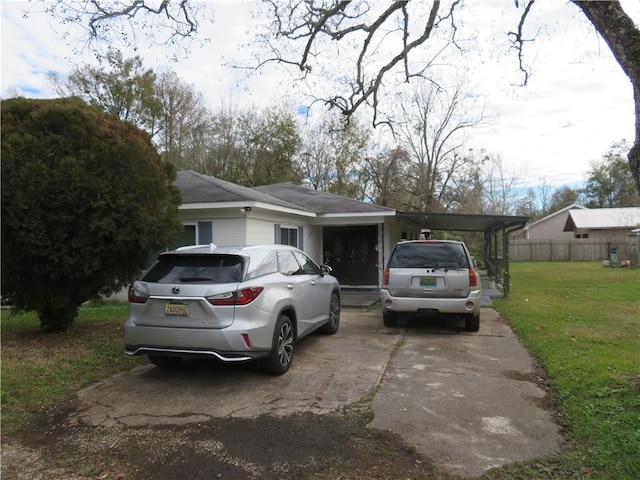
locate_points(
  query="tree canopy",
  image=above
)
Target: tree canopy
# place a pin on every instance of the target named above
(86, 201)
(302, 34)
(609, 184)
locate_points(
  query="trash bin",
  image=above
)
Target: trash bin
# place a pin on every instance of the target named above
(613, 257)
(634, 248)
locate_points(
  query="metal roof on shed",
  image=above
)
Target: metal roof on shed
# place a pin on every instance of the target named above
(602, 218)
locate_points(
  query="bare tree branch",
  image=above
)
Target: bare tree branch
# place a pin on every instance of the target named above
(312, 22)
(168, 22)
(518, 40)
(350, 22)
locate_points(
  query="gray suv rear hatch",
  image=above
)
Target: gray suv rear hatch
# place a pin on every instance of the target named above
(429, 269)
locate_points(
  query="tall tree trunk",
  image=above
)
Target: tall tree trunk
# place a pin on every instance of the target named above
(623, 38)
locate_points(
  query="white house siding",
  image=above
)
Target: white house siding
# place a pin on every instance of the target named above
(312, 242)
(259, 231)
(229, 231)
(396, 231)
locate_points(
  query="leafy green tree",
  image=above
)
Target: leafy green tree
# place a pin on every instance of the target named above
(119, 86)
(253, 147)
(307, 36)
(185, 123)
(610, 183)
(86, 200)
(172, 112)
(563, 197)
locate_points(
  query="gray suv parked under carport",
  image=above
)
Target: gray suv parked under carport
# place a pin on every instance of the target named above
(431, 277)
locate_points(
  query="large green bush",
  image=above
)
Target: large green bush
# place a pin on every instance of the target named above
(86, 201)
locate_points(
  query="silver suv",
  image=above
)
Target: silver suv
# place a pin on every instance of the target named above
(231, 303)
(430, 277)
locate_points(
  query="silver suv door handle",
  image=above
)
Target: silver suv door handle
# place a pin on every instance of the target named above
(290, 286)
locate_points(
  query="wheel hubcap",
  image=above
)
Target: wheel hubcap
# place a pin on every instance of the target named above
(285, 344)
(335, 311)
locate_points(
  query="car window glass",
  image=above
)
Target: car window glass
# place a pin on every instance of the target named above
(195, 269)
(287, 263)
(308, 266)
(428, 255)
(268, 266)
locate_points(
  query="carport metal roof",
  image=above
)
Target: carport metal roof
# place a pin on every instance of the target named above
(491, 225)
(466, 222)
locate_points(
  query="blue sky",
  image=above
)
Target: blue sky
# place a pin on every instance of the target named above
(577, 103)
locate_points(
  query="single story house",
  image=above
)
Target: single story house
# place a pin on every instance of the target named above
(355, 238)
(576, 233)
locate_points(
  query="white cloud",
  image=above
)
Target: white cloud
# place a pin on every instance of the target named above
(577, 103)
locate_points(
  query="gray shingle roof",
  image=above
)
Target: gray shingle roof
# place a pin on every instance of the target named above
(320, 202)
(199, 188)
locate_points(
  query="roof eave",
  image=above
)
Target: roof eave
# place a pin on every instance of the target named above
(245, 204)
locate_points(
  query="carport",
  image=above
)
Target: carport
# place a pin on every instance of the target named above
(494, 227)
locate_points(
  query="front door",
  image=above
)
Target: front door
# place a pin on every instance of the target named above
(351, 253)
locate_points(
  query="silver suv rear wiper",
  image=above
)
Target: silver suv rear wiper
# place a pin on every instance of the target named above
(195, 279)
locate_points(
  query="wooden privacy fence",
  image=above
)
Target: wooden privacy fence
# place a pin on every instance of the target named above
(579, 250)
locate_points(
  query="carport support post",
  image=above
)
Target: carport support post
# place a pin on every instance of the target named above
(487, 254)
(495, 249)
(505, 262)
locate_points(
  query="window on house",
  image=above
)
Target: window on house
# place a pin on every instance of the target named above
(288, 235)
(581, 235)
(195, 233)
(187, 236)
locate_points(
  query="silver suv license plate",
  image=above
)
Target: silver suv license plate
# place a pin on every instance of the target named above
(176, 309)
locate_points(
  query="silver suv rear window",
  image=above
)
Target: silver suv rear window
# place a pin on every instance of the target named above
(428, 255)
(195, 269)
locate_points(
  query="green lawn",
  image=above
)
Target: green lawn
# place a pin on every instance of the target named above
(40, 370)
(582, 322)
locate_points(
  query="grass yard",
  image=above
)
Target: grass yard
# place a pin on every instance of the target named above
(40, 370)
(582, 322)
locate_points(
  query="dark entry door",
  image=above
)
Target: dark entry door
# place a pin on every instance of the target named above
(351, 253)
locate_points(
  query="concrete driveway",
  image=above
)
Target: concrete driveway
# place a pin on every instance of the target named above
(467, 402)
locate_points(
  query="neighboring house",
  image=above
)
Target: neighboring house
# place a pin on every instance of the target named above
(355, 238)
(550, 227)
(579, 234)
(606, 224)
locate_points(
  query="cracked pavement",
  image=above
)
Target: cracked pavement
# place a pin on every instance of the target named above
(466, 401)
(328, 372)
